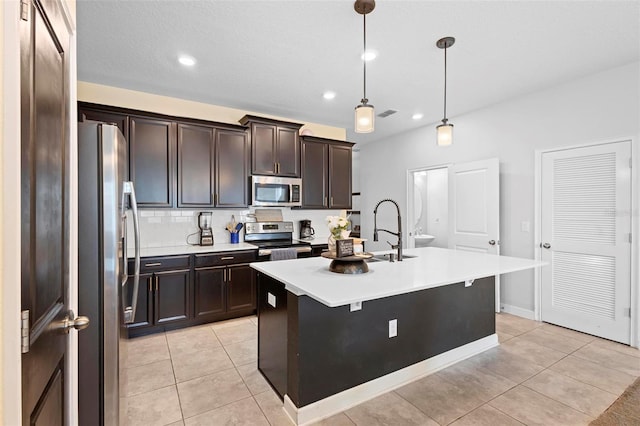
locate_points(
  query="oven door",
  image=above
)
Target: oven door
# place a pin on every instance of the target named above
(275, 191)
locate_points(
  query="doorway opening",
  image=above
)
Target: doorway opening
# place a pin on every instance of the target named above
(429, 207)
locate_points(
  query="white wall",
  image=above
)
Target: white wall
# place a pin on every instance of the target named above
(600, 107)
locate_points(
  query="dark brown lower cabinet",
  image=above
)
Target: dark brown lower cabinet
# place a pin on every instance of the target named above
(224, 289)
(209, 291)
(144, 309)
(241, 288)
(171, 296)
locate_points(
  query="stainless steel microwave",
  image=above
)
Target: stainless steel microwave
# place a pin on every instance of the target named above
(276, 191)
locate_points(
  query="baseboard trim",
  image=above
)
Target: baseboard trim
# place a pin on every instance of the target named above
(351, 397)
(521, 312)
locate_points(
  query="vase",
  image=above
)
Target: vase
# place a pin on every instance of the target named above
(331, 242)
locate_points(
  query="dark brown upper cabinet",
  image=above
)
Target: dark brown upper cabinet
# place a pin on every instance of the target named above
(232, 168)
(275, 146)
(195, 166)
(152, 147)
(212, 166)
(326, 173)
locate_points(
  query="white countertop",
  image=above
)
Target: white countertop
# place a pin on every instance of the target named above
(175, 250)
(433, 267)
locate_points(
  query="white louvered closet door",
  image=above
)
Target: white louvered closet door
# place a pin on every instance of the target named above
(586, 225)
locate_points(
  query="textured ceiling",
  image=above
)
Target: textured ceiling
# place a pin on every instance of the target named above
(278, 57)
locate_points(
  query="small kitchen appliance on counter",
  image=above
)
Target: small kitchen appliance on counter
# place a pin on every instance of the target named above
(306, 231)
(206, 233)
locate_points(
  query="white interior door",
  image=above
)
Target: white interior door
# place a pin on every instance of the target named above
(585, 230)
(474, 209)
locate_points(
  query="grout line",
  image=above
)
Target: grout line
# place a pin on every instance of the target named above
(175, 379)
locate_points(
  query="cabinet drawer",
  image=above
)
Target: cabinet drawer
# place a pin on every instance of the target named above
(151, 264)
(225, 258)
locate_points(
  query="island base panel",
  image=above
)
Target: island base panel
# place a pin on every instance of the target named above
(330, 350)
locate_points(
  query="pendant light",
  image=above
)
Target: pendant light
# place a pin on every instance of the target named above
(364, 114)
(445, 130)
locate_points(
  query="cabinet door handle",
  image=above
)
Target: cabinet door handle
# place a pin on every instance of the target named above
(156, 283)
(224, 275)
(326, 203)
(229, 274)
(332, 202)
(275, 167)
(150, 284)
(149, 265)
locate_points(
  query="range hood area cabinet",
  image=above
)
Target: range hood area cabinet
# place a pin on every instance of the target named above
(178, 162)
(326, 173)
(275, 146)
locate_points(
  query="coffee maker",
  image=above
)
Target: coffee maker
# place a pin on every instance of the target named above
(306, 231)
(206, 233)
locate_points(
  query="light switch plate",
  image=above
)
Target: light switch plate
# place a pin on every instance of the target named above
(525, 226)
(271, 299)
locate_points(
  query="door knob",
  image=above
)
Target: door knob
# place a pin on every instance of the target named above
(492, 242)
(70, 321)
(546, 245)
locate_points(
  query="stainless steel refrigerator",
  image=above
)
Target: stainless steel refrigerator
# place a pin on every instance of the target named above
(105, 199)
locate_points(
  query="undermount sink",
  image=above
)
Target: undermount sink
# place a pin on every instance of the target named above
(385, 257)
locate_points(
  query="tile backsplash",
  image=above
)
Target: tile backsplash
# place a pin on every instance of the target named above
(179, 227)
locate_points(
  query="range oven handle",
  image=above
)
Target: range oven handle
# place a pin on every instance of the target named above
(267, 252)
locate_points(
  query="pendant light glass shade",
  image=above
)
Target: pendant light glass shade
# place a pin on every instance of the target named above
(365, 117)
(445, 133)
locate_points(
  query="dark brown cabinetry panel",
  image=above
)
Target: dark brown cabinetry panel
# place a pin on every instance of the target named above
(231, 168)
(152, 161)
(171, 296)
(275, 146)
(144, 309)
(195, 166)
(339, 177)
(315, 164)
(326, 173)
(209, 291)
(288, 152)
(241, 288)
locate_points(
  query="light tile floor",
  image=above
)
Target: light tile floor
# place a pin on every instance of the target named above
(539, 375)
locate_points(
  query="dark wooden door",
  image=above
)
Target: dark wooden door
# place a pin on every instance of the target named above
(44, 42)
(315, 166)
(241, 288)
(120, 120)
(263, 149)
(339, 177)
(152, 146)
(288, 152)
(171, 290)
(209, 291)
(195, 166)
(144, 309)
(231, 169)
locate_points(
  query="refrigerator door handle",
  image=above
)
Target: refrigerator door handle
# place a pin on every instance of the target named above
(130, 309)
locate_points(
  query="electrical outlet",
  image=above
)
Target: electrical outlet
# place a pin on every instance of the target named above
(271, 299)
(355, 306)
(393, 328)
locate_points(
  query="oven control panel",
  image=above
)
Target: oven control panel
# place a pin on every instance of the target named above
(268, 227)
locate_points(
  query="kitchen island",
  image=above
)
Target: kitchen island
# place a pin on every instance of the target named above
(328, 341)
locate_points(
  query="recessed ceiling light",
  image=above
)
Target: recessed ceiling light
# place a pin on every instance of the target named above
(187, 61)
(417, 116)
(329, 95)
(369, 55)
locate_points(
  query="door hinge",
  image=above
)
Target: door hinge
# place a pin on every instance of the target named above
(24, 331)
(24, 10)
(627, 312)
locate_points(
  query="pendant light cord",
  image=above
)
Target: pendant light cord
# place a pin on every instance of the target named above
(364, 60)
(445, 84)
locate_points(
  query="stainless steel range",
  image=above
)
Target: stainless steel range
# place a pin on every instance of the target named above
(269, 236)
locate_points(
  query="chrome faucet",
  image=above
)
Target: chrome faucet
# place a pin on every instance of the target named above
(398, 234)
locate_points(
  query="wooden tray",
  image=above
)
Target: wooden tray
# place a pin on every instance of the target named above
(354, 258)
